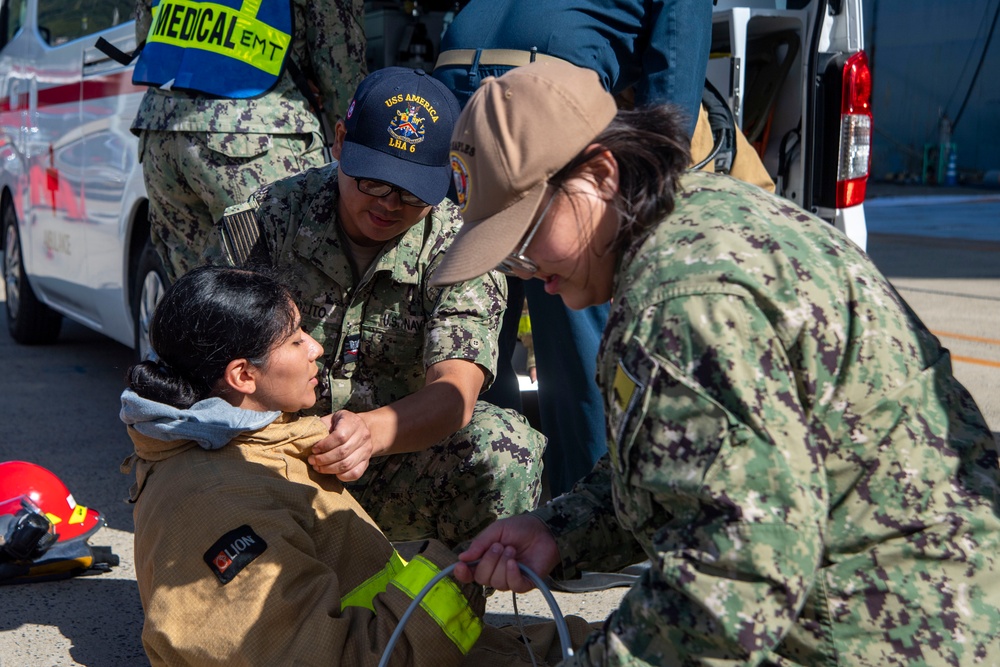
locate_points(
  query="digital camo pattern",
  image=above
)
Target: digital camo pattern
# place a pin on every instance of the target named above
(201, 154)
(191, 177)
(380, 332)
(788, 445)
(455, 489)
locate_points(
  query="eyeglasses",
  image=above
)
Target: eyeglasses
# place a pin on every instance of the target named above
(516, 262)
(370, 186)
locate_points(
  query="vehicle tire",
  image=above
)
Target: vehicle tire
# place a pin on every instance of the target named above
(29, 321)
(150, 283)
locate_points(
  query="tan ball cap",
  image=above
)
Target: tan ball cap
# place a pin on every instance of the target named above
(516, 132)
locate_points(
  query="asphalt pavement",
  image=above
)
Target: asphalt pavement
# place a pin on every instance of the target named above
(60, 406)
(942, 253)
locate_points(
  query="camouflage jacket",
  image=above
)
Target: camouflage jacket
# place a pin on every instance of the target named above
(788, 446)
(328, 46)
(382, 330)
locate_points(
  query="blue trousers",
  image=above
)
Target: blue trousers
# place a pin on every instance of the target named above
(569, 401)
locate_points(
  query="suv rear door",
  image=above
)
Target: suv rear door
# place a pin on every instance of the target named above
(796, 77)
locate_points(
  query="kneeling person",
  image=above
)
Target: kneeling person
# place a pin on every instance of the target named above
(405, 362)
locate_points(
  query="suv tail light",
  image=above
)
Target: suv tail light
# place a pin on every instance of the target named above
(855, 131)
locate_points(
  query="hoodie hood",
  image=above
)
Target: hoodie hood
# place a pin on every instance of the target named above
(210, 424)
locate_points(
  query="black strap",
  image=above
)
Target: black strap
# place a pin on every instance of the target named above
(116, 54)
(723, 124)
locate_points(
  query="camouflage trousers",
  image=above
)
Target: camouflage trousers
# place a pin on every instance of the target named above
(488, 470)
(191, 177)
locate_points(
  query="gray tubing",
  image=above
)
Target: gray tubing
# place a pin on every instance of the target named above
(561, 628)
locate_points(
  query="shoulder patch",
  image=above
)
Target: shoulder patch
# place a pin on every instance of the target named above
(234, 551)
(627, 399)
(624, 387)
(628, 391)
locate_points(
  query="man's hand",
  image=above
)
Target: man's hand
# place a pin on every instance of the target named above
(499, 549)
(434, 412)
(346, 451)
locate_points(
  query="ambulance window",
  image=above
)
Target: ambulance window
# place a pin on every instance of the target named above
(60, 21)
(11, 19)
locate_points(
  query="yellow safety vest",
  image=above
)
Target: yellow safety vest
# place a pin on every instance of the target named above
(226, 49)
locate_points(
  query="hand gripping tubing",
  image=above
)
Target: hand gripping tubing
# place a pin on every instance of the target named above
(561, 628)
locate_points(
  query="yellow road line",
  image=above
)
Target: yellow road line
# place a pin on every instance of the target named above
(974, 339)
(972, 360)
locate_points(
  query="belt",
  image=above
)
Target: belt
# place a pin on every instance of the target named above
(503, 57)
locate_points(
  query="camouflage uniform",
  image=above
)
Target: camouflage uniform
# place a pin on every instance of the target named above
(201, 154)
(788, 446)
(380, 333)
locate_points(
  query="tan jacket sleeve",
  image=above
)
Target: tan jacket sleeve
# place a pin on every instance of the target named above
(747, 165)
(283, 606)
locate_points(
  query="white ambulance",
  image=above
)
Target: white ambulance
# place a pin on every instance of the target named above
(75, 234)
(72, 203)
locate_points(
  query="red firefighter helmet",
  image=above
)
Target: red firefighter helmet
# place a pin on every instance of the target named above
(71, 521)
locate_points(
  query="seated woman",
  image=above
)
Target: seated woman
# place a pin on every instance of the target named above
(243, 553)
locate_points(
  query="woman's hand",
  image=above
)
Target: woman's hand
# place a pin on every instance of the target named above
(346, 451)
(501, 546)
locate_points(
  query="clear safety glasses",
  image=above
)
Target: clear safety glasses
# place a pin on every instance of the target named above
(517, 262)
(370, 186)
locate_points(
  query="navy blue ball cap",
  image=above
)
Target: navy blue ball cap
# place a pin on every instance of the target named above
(399, 131)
